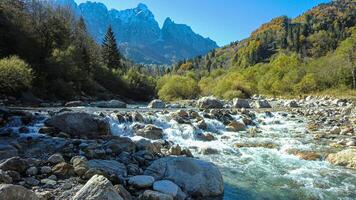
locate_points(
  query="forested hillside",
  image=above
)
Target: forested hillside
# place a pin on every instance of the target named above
(49, 52)
(312, 53)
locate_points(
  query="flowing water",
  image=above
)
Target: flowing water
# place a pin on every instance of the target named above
(264, 169)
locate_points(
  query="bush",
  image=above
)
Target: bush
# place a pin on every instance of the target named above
(15, 75)
(177, 87)
(140, 86)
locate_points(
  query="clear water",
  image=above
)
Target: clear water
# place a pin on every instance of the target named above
(255, 172)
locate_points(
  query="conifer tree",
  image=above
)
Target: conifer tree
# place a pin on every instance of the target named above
(110, 51)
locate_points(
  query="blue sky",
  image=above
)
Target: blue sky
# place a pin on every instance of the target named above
(223, 21)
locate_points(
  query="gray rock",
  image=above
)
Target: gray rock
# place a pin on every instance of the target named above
(80, 124)
(240, 103)
(80, 164)
(195, 177)
(151, 132)
(120, 144)
(109, 166)
(291, 104)
(97, 188)
(32, 171)
(15, 164)
(141, 181)
(156, 104)
(49, 182)
(154, 195)
(16, 192)
(166, 187)
(4, 177)
(123, 192)
(109, 104)
(209, 102)
(32, 181)
(56, 158)
(263, 104)
(75, 104)
(7, 151)
(46, 170)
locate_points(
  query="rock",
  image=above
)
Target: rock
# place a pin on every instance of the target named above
(241, 103)
(263, 104)
(156, 104)
(166, 187)
(123, 192)
(120, 144)
(15, 164)
(32, 181)
(75, 104)
(45, 195)
(47, 130)
(196, 177)
(335, 130)
(175, 150)
(56, 158)
(202, 125)
(91, 172)
(154, 195)
(32, 171)
(46, 170)
(4, 177)
(152, 147)
(206, 136)
(109, 166)
(7, 151)
(141, 181)
(16, 192)
(291, 104)
(209, 102)
(137, 117)
(345, 158)
(150, 132)
(235, 126)
(97, 188)
(63, 170)
(109, 104)
(208, 151)
(80, 124)
(14, 175)
(49, 182)
(80, 164)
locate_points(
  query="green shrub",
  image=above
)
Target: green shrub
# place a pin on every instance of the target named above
(177, 87)
(15, 75)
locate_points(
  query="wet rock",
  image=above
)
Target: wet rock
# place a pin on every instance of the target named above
(206, 136)
(109, 104)
(202, 125)
(240, 103)
(63, 170)
(141, 181)
(4, 177)
(137, 117)
(156, 104)
(154, 195)
(80, 125)
(166, 187)
(75, 104)
(150, 132)
(123, 192)
(175, 150)
(235, 126)
(46, 170)
(196, 177)
(16, 192)
(208, 151)
(48, 130)
(291, 104)
(306, 155)
(32, 171)
(97, 188)
(15, 164)
(263, 104)
(109, 166)
(345, 158)
(56, 158)
(209, 103)
(120, 144)
(80, 164)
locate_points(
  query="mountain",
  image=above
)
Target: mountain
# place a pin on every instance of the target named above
(138, 33)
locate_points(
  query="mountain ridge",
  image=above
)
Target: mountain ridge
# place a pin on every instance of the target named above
(139, 35)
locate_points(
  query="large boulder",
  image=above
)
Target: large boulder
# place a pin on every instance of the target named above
(151, 132)
(263, 104)
(16, 192)
(109, 104)
(80, 124)
(14, 164)
(156, 104)
(345, 158)
(196, 177)
(209, 102)
(112, 167)
(240, 103)
(98, 188)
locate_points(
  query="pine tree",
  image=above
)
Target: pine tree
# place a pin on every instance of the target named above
(111, 54)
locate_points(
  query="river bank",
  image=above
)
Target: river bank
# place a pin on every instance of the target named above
(278, 149)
